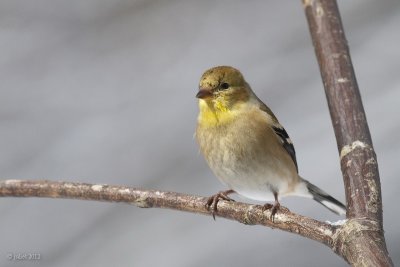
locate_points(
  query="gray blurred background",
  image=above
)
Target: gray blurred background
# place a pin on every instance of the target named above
(103, 92)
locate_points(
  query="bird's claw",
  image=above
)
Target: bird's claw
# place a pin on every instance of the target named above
(214, 199)
(273, 207)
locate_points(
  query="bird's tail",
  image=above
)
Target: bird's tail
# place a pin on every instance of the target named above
(325, 199)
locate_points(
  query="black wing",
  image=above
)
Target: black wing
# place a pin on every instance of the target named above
(286, 142)
(280, 133)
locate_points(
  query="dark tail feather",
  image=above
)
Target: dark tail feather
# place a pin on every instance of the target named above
(325, 199)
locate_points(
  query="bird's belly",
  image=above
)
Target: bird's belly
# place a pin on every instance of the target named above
(255, 179)
(248, 166)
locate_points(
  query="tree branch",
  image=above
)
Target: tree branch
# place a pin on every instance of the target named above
(237, 211)
(364, 244)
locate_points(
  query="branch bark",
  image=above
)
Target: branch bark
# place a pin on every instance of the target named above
(363, 241)
(241, 212)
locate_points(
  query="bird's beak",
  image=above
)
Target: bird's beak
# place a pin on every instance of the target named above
(204, 93)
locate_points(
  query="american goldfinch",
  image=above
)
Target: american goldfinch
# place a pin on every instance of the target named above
(245, 145)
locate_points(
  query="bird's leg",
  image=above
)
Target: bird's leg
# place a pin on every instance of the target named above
(274, 208)
(214, 199)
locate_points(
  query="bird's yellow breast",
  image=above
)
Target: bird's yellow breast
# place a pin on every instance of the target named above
(223, 108)
(215, 113)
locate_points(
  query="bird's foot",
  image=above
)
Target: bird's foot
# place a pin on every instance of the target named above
(273, 207)
(214, 199)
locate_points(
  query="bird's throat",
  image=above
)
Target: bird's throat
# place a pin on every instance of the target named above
(214, 112)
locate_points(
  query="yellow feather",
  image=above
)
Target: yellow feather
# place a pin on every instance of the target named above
(215, 113)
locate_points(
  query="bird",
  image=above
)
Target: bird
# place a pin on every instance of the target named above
(246, 147)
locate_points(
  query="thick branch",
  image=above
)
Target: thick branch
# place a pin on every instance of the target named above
(241, 212)
(358, 159)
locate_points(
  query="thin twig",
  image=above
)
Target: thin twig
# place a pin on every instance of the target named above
(241, 212)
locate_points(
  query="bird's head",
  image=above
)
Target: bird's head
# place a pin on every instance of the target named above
(222, 89)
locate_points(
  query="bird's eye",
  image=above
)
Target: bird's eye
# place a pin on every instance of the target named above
(224, 86)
